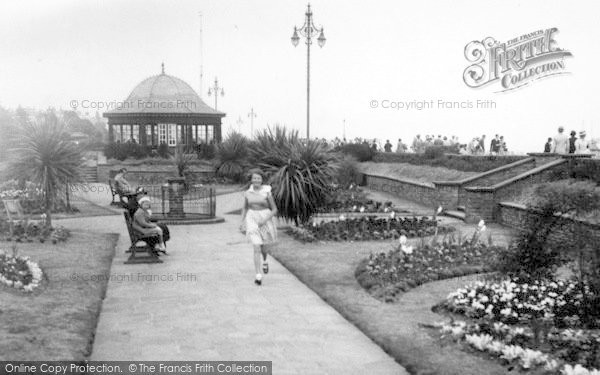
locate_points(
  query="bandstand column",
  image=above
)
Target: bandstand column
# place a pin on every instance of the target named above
(142, 135)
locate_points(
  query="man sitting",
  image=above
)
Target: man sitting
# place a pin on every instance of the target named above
(123, 187)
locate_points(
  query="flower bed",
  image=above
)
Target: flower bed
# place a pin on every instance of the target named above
(19, 272)
(532, 326)
(31, 197)
(386, 275)
(369, 229)
(353, 199)
(32, 231)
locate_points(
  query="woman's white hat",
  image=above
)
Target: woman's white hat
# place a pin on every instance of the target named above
(143, 199)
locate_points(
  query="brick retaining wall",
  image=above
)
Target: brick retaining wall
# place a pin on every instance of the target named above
(516, 216)
(411, 190)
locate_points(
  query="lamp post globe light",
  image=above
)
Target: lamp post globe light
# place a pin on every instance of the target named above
(216, 89)
(308, 30)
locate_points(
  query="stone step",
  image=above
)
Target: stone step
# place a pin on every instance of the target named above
(461, 208)
(455, 214)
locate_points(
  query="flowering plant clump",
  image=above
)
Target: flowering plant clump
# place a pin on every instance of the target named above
(373, 228)
(19, 272)
(352, 199)
(512, 302)
(302, 234)
(31, 197)
(407, 266)
(541, 315)
(511, 346)
(23, 231)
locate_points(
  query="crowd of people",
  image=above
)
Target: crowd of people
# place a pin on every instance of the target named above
(563, 144)
(477, 146)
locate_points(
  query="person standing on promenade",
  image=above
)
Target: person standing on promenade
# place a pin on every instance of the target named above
(561, 142)
(572, 140)
(582, 145)
(258, 212)
(548, 146)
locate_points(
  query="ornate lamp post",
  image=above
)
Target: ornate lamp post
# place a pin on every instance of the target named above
(216, 89)
(308, 30)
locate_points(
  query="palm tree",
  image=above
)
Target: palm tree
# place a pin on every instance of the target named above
(232, 155)
(300, 172)
(44, 154)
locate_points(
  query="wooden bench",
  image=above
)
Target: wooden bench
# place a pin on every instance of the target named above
(15, 214)
(113, 191)
(151, 256)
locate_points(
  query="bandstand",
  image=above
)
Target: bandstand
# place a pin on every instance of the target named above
(164, 109)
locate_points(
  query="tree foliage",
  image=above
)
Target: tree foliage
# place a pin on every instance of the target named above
(44, 155)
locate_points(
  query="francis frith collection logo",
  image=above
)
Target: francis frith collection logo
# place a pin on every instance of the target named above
(514, 63)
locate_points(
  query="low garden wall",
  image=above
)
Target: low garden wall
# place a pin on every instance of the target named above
(481, 202)
(454, 194)
(415, 191)
(516, 216)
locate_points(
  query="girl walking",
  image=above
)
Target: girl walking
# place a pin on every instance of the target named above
(257, 221)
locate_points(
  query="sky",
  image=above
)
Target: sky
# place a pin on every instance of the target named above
(378, 53)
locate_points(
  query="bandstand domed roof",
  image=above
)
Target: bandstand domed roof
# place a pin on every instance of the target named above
(164, 94)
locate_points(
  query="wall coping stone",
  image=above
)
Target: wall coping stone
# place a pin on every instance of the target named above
(485, 174)
(509, 181)
(410, 182)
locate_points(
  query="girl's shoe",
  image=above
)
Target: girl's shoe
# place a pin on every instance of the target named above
(265, 267)
(258, 279)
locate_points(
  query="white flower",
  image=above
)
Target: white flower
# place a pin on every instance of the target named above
(406, 249)
(531, 358)
(439, 210)
(479, 342)
(342, 217)
(511, 352)
(576, 370)
(495, 347)
(403, 240)
(353, 208)
(362, 209)
(506, 311)
(392, 214)
(481, 224)
(551, 364)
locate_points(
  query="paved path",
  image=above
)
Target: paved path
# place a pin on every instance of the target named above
(202, 304)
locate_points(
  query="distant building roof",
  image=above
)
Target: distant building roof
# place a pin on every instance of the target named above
(163, 94)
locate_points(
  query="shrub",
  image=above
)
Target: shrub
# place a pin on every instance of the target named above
(300, 173)
(531, 256)
(360, 151)
(347, 172)
(438, 152)
(206, 151)
(232, 157)
(587, 170)
(163, 151)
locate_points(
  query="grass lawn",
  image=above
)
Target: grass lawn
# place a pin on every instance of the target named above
(421, 173)
(328, 269)
(58, 320)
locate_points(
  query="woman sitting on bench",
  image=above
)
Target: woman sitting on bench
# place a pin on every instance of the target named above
(142, 224)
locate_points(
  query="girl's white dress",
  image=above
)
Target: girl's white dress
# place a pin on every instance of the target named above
(267, 233)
